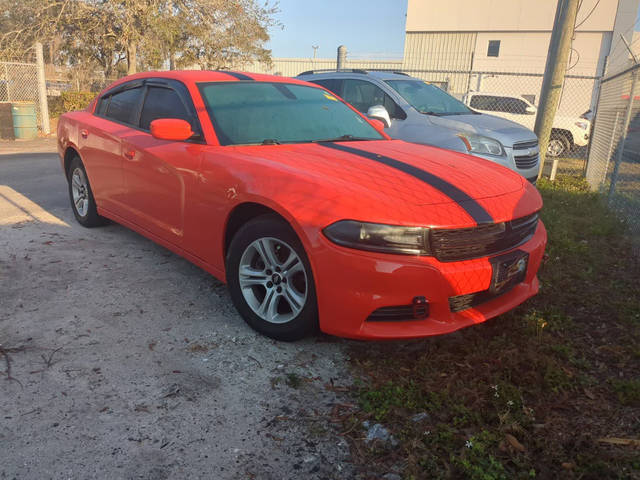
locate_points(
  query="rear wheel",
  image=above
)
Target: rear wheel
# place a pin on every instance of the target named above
(558, 145)
(270, 279)
(81, 196)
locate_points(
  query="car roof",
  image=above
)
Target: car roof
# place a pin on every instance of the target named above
(196, 76)
(378, 74)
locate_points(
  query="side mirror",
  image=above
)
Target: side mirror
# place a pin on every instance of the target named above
(531, 110)
(377, 124)
(171, 129)
(378, 112)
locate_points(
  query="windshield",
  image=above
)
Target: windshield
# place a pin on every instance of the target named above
(270, 113)
(428, 99)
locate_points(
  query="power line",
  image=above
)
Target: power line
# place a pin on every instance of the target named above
(588, 15)
(632, 27)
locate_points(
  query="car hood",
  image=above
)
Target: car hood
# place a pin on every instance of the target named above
(392, 174)
(505, 131)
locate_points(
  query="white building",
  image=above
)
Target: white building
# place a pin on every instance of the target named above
(494, 36)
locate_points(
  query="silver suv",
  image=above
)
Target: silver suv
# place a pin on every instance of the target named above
(418, 112)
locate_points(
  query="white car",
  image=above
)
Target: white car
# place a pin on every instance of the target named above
(567, 133)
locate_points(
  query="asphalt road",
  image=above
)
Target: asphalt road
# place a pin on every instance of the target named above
(119, 359)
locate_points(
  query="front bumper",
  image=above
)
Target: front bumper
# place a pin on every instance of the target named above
(351, 284)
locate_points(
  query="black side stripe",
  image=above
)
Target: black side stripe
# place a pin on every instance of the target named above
(473, 208)
(239, 76)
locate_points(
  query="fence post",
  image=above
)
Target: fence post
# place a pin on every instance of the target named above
(6, 77)
(625, 128)
(42, 90)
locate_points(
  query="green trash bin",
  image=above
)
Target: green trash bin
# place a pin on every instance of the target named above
(25, 121)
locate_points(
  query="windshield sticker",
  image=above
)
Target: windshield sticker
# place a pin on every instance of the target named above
(330, 97)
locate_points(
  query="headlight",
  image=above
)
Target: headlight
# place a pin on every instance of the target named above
(582, 125)
(376, 237)
(482, 145)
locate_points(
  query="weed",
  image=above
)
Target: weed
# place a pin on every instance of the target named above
(293, 380)
(628, 391)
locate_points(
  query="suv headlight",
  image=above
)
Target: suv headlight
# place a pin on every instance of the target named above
(582, 125)
(377, 237)
(482, 145)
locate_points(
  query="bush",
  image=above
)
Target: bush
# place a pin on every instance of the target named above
(69, 101)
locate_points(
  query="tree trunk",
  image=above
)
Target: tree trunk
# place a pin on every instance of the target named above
(132, 50)
(172, 61)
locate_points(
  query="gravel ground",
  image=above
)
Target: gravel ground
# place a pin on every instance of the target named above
(127, 361)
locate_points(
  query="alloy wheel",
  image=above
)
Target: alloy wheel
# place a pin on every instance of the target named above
(273, 280)
(555, 148)
(80, 191)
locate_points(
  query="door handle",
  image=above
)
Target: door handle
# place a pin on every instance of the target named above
(130, 154)
(84, 133)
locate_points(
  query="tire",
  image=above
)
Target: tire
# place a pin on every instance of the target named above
(272, 289)
(558, 145)
(81, 197)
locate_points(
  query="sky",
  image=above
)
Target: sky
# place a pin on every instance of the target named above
(369, 28)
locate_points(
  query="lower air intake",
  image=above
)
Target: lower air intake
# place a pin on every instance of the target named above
(400, 313)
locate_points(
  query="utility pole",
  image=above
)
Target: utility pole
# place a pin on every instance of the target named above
(342, 57)
(315, 50)
(555, 69)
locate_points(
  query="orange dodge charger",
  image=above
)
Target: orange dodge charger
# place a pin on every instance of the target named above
(308, 211)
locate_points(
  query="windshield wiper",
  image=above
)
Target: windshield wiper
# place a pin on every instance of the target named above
(343, 138)
(270, 141)
(435, 114)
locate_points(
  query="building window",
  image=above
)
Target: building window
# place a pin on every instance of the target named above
(494, 48)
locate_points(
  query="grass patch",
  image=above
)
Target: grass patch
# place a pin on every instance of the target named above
(526, 395)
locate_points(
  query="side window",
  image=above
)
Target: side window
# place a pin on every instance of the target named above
(103, 103)
(162, 103)
(363, 95)
(519, 106)
(511, 105)
(483, 102)
(332, 84)
(123, 106)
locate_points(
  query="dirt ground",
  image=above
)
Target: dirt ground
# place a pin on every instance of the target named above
(119, 359)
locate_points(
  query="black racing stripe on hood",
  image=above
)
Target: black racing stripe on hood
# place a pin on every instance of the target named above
(470, 205)
(239, 76)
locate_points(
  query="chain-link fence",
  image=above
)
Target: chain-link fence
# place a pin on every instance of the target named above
(19, 83)
(512, 95)
(614, 158)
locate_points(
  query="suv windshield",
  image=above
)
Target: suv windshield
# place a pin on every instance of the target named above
(270, 113)
(428, 99)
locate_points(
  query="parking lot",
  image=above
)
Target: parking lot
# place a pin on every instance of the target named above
(122, 360)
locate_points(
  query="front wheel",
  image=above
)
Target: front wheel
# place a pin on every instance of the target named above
(558, 145)
(270, 279)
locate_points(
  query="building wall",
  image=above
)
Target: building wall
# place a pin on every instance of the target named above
(527, 52)
(505, 15)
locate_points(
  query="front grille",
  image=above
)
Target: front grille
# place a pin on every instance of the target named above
(526, 162)
(399, 313)
(469, 300)
(452, 245)
(525, 145)
(522, 154)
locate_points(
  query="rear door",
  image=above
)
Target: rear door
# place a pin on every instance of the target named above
(161, 176)
(100, 143)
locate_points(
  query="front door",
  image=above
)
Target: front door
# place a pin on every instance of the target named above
(160, 175)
